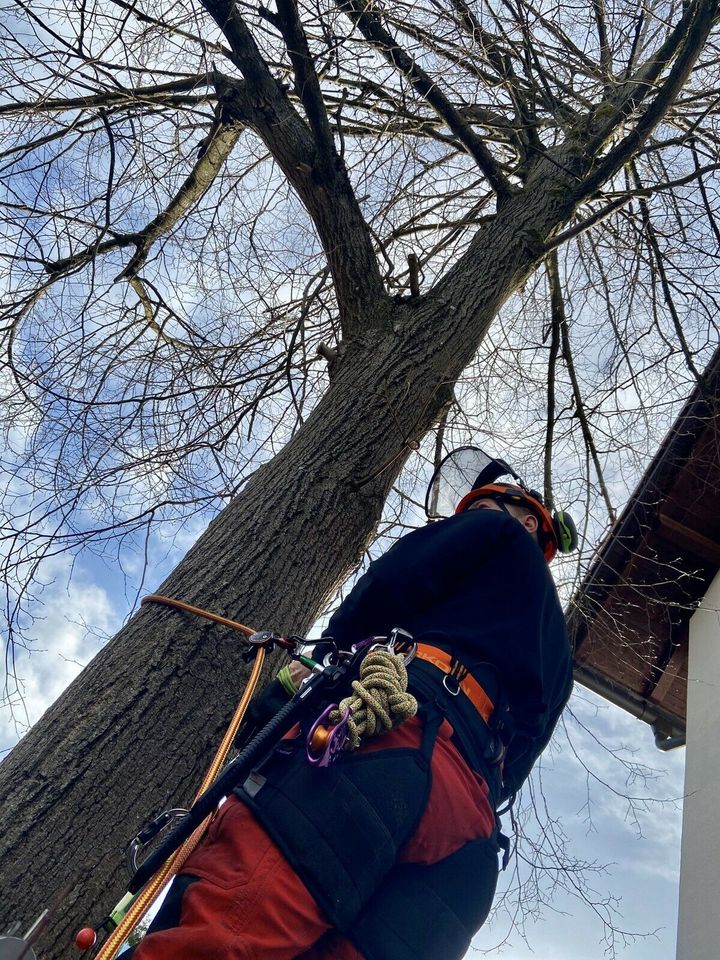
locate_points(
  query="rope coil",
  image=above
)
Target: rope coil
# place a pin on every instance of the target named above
(379, 700)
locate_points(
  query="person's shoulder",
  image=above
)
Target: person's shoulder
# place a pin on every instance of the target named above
(516, 550)
(478, 523)
(473, 531)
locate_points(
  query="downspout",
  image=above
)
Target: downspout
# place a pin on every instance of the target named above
(669, 730)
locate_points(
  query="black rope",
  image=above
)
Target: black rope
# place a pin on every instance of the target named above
(318, 687)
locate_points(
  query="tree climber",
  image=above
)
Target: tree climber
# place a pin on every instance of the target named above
(391, 853)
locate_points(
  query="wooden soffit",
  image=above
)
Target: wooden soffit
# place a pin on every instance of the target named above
(629, 620)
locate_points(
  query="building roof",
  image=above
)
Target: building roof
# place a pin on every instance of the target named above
(628, 622)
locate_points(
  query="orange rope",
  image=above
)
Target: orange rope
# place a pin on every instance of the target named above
(198, 611)
(150, 891)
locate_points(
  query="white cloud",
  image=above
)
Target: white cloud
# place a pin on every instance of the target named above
(77, 620)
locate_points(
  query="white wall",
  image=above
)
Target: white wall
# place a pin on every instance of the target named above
(699, 916)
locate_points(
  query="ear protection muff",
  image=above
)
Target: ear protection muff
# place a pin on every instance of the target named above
(565, 531)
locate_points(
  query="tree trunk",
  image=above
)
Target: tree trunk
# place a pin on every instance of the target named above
(130, 736)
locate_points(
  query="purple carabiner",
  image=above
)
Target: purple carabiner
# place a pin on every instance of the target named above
(335, 741)
(367, 642)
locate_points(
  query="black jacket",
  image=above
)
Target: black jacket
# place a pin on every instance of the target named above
(477, 585)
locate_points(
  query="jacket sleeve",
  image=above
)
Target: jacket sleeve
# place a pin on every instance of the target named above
(525, 748)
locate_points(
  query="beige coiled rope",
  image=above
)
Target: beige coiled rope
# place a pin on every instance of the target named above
(379, 700)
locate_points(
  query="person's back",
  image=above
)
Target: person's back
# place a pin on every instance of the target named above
(477, 586)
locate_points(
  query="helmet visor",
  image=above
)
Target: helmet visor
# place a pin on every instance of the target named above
(457, 474)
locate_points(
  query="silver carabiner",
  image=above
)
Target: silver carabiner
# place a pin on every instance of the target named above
(149, 832)
(407, 640)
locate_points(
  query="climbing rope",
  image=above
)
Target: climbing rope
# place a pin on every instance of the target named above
(379, 700)
(145, 899)
(198, 611)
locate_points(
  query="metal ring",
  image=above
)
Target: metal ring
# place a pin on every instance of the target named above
(262, 638)
(410, 655)
(456, 691)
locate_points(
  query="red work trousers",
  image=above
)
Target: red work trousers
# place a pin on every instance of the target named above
(246, 901)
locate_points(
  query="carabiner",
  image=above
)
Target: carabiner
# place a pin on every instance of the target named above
(149, 832)
(453, 691)
(370, 643)
(406, 645)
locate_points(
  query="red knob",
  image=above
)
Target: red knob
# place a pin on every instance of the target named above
(85, 938)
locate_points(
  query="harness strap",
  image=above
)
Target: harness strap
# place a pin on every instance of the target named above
(454, 680)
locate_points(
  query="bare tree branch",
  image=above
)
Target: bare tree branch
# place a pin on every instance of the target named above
(326, 193)
(652, 240)
(307, 85)
(559, 318)
(370, 26)
(215, 151)
(157, 93)
(681, 49)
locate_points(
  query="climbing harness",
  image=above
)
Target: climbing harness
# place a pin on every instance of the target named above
(379, 699)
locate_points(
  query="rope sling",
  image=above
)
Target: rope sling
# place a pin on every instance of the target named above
(379, 700)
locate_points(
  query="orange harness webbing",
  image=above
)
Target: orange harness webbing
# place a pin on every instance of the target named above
(468, 684)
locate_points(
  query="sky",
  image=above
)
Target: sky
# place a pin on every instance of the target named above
(631, 848)
(637, 843)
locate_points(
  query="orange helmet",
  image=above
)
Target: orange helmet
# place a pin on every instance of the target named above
(469, 474)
